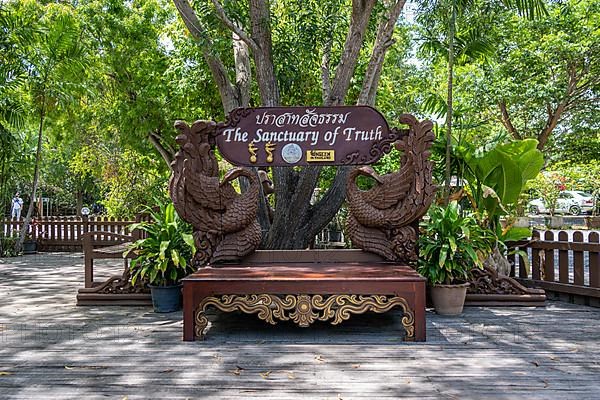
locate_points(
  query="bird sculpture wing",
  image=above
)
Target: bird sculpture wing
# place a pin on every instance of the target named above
(225, 224)
(415, 147)
(391, 189)
(380, 218)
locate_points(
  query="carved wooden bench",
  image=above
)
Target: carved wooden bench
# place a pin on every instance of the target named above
(117, 289)
(305, 291)
(382, 221)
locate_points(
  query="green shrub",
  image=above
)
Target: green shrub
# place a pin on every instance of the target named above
(164, 255)
(452, 245)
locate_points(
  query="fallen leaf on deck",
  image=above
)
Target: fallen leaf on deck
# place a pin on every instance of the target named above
(291, 375)
(554, 358)
(67, 367)
(408, 381)
(265, 375)
(166, 371)
(5, 373)
(537, 364)
(319, 358)
(339, 397)
(237, 370)
(545, 383)
(355, 366)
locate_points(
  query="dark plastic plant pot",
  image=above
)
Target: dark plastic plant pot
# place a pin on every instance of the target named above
(29, 247)
(166, 299)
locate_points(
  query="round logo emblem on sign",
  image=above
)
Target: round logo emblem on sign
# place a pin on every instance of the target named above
(291, 153)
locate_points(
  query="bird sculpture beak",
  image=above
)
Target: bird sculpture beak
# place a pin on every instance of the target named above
(233, 174)
(370, 172)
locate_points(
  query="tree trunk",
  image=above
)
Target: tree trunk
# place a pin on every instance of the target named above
(384, 40)
(450, 109)
(3, 186)
(260, 16)
(296, 221)
(361, 13)
(79, 195)
(36, 177)
(218, 70)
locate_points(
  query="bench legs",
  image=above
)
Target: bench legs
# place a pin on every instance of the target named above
(304, 309)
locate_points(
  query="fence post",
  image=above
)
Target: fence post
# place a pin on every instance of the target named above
(594, 261)
(84, 225)
(548, 259)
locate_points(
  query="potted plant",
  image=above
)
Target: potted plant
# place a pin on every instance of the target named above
(451, 246)
(163, 256)
(29, 244)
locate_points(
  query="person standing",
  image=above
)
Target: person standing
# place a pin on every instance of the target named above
(16, 207)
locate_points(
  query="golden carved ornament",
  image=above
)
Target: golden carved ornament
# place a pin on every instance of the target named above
(304, 309)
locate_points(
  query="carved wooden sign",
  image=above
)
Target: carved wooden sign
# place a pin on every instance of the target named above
(300, 136)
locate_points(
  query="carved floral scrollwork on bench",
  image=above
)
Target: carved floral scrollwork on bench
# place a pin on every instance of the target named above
(304, 309)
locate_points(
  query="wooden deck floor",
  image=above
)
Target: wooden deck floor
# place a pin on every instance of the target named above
(50, 348)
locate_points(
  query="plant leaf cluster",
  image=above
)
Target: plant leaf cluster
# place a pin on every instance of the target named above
(451, 245)
(164, 254)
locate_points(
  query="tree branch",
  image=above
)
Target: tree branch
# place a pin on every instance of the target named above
(242, 70)
(218, 70)
(325, 70)
(361, 12)
(384, 40)
(555, 115)
(505, 118)
(166, 155)
(234, 27)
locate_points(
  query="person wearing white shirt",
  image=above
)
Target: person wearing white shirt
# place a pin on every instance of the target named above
(17, 206)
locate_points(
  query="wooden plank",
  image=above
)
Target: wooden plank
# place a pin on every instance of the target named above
(52, 225)
(72, 227)
(313, 256)
(522, 269)
(535, 257)
(511, 260)
(594, 261)
(578, 273)
(562, 287)
(549, 259)
(564, 246)
(63, 351)
(563, 259)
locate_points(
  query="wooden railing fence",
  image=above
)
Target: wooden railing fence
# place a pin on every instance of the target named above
(65, 233)
(566, 264)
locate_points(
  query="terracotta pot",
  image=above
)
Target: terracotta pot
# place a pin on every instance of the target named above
(449, 299)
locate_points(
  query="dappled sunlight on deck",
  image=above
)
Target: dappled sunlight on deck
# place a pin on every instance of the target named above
(49, 347)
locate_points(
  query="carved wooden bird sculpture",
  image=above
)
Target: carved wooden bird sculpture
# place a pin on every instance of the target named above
(224, 221)
(383, 219)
